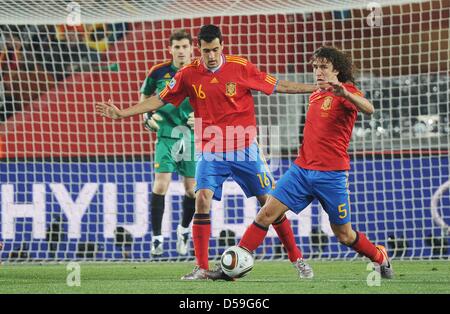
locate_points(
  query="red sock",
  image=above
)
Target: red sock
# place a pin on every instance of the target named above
(201, 231)
(286, 235)
(363, 246)
(253, 236)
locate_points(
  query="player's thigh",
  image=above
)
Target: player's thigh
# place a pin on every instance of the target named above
(293, 189)
(251, 172)
(163, 158)
(211, 174)
(333, 194)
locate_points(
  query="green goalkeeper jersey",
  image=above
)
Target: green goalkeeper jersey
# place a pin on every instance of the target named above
(158, 77)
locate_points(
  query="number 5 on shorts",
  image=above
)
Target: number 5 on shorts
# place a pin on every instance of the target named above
(342, 211)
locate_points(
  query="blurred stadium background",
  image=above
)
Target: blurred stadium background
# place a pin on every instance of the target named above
(75, 186)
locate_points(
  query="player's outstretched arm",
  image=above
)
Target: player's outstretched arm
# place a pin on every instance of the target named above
(362, 103)
(111, 111)
(289, 87)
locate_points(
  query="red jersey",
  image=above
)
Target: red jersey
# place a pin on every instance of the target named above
(222, 99)
(328, 130)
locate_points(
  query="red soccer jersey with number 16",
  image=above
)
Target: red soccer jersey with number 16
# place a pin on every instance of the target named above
(222, 99)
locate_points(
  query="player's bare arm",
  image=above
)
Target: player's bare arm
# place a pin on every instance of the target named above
(362, 103)
(289, 87)
(111, 111)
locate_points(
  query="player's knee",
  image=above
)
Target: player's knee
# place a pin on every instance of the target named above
(202, 202)
(160, 188)
(189, 188)
(161, 184)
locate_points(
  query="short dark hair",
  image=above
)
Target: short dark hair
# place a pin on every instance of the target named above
(208, 33)
(340, 60)
(179, 35)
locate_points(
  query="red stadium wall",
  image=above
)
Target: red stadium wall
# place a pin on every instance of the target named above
(62, 123)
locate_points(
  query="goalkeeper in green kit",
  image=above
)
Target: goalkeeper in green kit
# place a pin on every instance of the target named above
(174, 148)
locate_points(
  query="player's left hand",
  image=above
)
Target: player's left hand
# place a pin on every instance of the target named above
(191, 120)
(338, 89)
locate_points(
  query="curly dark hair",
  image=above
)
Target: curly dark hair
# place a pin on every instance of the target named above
(340, 60)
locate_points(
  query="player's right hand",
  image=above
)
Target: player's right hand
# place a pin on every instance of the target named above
(151, 121)
(108, 110)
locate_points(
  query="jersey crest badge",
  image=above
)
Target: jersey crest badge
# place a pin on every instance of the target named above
(167, 76)
(172, 83)
(230, 89)
(326, 105)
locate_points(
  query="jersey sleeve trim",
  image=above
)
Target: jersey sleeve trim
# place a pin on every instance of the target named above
(236, 59)
(163, 93)
(270, 79)
(158, 66)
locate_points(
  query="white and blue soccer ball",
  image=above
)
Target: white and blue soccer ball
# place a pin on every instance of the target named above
(236, 262)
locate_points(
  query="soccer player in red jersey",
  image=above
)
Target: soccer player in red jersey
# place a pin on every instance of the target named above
(321, 168)
(219, 90)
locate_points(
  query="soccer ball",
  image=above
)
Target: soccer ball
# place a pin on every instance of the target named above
(236, 262)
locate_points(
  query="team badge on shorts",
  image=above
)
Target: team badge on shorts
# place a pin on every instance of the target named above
(230, 89)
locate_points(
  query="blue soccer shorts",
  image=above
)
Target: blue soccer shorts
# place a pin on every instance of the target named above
(247, 167)
(298, 187)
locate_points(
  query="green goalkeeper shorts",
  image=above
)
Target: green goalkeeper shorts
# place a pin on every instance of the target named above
(175, 155)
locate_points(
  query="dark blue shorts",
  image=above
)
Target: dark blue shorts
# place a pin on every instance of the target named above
(298, 187)
(247, 167)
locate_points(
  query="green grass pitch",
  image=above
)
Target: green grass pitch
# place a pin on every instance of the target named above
(267, 277)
